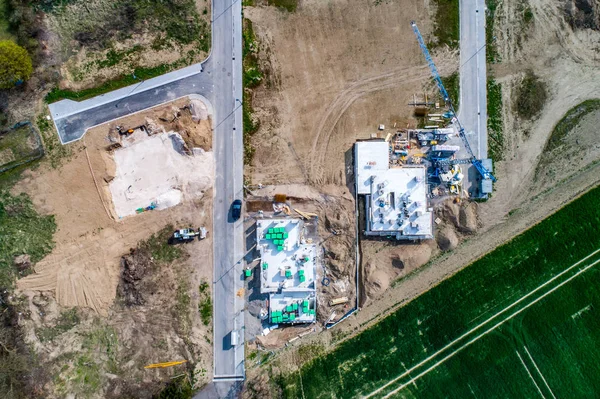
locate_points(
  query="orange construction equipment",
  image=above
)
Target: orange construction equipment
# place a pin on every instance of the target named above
(163, 365)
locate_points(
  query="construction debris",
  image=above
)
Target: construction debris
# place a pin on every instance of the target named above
(305, 215)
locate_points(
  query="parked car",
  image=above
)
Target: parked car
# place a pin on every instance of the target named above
(236, 209)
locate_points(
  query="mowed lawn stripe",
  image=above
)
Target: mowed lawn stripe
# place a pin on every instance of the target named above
(439, 316)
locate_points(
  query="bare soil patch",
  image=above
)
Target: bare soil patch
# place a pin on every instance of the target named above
(83, 270)
(110, 284)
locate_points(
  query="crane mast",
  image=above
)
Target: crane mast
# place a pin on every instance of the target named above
(438, 80)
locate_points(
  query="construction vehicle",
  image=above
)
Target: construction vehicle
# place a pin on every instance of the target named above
(126, 132)
(486, 174)
(431, 138)
(188, 235)
(453, 178)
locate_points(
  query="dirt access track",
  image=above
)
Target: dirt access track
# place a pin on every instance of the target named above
(83, 269)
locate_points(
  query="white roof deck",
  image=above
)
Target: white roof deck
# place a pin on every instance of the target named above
(283, 268)
(397, 204)
(371, 157)
(293, 303)
(396, 198)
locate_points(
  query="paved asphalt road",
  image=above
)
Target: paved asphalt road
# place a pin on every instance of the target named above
(472, 111)
(219, 81)
(473, 101)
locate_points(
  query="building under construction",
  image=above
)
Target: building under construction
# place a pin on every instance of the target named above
(287, 270)
(396, 201)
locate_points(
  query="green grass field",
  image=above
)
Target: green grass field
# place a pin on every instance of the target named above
(467, 336)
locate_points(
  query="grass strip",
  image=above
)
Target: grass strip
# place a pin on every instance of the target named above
(531, 96)
(252, 78)
(569, 122)
(452, 85)
(447, 24)
(288, 5)
(491, 51)
(139, 75)
(494, 123)
(428, 323)
(22, 231)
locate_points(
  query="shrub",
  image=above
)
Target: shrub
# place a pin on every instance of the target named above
(531, 96)
(15, 64)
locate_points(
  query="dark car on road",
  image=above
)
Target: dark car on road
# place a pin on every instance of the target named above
(236, 209)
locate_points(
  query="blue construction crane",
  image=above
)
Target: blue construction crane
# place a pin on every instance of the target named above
(486, 174)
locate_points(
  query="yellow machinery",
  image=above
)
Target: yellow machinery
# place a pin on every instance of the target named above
(453, 178)
(163, 365)
(305, 215)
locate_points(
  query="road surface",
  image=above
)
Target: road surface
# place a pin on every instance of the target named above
(218, 81)
(473, 79)
(472, 111)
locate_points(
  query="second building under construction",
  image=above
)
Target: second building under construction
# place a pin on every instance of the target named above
(395, 198)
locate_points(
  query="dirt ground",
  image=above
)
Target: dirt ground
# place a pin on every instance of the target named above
(357, 67)
(83, 270)
(567, 60)
(312, 114)
(121, 297)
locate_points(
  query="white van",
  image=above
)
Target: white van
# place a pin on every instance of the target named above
(235, 336)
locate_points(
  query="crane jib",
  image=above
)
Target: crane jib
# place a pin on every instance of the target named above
(438, 80)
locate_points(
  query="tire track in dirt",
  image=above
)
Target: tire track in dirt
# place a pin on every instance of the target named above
(551, 22)
(324, 129)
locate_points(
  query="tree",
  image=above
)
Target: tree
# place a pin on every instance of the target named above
(15, 64)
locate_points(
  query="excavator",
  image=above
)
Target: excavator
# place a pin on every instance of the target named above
(126, 132)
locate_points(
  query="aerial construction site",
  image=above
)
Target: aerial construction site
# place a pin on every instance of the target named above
(339, 188)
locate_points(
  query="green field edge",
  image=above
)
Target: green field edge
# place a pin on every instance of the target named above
(481, 330)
